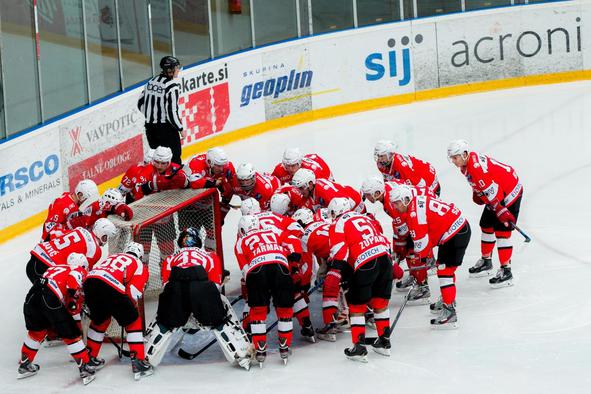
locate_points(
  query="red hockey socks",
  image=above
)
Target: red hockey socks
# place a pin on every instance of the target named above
(487, 242)
(330, 304)
(504, 247)
(258, 328)
(32, 343)
(95, 336)
(357, 314)
(382, 318)
(447, 284)
(285, 325)
(300, 307)
(135, 338)
(77, 349)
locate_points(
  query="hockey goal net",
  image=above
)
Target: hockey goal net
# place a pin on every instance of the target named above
(157, 222)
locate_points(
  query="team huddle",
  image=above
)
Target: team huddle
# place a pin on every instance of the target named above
(300, 230)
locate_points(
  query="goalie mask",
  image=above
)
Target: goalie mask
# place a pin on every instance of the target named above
(189, 238)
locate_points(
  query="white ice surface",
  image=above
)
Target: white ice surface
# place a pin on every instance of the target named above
(533, 337)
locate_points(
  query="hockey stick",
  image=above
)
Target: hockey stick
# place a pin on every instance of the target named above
(520, 231)
(370, 340)
(190, 356)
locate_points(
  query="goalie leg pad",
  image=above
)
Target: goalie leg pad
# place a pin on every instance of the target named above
(157, 342)
(233, 339)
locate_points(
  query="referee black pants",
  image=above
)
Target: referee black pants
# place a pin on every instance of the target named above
(164, 134)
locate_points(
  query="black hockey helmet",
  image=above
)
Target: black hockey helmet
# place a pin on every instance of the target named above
(189, 238)
(169, 63)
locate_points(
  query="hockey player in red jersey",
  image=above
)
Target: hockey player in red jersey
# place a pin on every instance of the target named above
(164, 175)
(113, 289)
(67, 206)
(432, 223)
(211, 169)
(321, 191)
(300, 273)
(496, 186)
(250, 183)
(374, 189)
(80, 240)
(111, 202)
(360, 254)
(192, 278)
(47, 306)
(293, 160)
(288, 199)
(408, 169)
(265, 257)
(135, 175)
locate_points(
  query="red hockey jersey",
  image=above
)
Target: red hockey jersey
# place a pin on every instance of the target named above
(201, 173)
(123, 272)
(411, 171)
(191, 257)
(325, 190)
(56, 252)
(264, 188)
(310, 162)
(58, 214)
(63, 280)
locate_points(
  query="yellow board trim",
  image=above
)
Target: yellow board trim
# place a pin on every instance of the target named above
(324, 113)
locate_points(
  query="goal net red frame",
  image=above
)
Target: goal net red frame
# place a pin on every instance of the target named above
(157, 222)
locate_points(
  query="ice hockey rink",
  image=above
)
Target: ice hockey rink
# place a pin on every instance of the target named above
(534, 337)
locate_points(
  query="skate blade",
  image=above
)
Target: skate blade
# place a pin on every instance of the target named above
(25, 375)
(139, 375)
(361, 359)
(261, 364)
(310, 339)
(88, 379)
(446, 326)
(382, 351)
(402, 289)
(482, 274)
(420, 301)
(435, 311)
(284, 361)
(244, 363)
(327, 337)
(507, 283)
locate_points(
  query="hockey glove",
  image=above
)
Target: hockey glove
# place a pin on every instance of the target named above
(400, 249)
(124, 211)
(209, 184)
(477, 198)
(505, 216)
(147, 188)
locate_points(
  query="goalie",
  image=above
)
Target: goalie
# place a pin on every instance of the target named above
(191, 278)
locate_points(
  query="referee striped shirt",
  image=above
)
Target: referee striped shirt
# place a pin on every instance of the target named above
(159, 101)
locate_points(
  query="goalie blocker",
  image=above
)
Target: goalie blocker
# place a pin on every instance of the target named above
(191, 277)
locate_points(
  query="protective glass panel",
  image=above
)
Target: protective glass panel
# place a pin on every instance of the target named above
(332, 15)
(135, 41)
(370, 12)
(437, 7)
(191, 30)
(231, 26)
(274, 20)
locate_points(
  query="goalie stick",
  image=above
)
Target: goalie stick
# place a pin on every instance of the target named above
(370, 340)
(190, 356)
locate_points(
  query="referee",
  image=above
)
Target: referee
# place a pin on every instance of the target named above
(159, 104)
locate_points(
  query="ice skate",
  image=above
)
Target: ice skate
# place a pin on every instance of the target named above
(26, 369)
(382, 344)
(419, 295)
(503, 278)
(357, 352)
(141, 368)
(403, 284)
(447, 318)
(308, 333)
(87, 374)
(437, 306)
(261, 353)
(96, 363)
(483, 267)
(327, 333)
(284, 350)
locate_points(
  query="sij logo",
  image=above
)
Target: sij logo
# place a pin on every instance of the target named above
(377, 66)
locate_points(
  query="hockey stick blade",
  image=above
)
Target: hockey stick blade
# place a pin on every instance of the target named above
(190, 356)
(520, 231)
(370, 340)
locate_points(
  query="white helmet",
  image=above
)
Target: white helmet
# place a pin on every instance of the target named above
(457, 147)
(303, 177)
(250, 206)
(104, 229)
(216, 157)
(384, 147)
(87, 192)
(135, 249)
(149, 156)
(338, 206)
(246, 176)
(77, 260)
(162, 154)
(112, 196)
(292, 156)
(372, 185)
(280, 203)
(400, 193)
(248, 223)
(304, 216)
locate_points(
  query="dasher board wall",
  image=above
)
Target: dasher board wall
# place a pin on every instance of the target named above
(284, 84)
